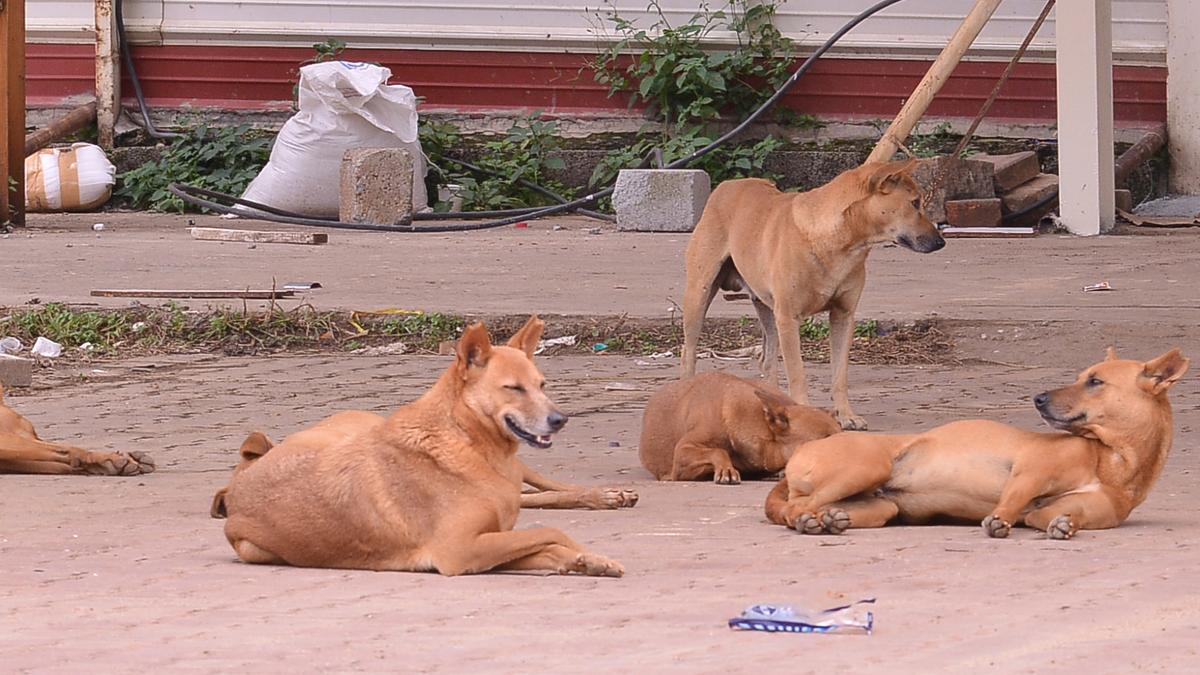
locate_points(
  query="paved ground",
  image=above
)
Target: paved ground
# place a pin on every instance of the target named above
(131, 575)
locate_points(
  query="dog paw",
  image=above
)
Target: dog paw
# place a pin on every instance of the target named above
(997, 528)
(594, 565)
(611, 498)
(115, 464)
(1062, 528)
(808, 523)
(727, 476)
(835, 521)
(851, 422)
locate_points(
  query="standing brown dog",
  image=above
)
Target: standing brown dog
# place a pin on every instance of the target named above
(436, 487)
(719, 426)
(21, 451)
(798, 254)
(1115, 434)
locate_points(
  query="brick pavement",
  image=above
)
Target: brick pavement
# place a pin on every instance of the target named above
(120, 575)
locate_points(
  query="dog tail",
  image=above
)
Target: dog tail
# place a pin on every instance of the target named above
(256, 445)
(777, 501)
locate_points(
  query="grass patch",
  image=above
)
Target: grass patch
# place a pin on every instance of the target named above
(88, 333)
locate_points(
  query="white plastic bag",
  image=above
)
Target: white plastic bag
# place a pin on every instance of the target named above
(78, 178)
(343, 105)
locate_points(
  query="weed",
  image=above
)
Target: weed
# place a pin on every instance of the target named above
(224, 159)
(688, 88)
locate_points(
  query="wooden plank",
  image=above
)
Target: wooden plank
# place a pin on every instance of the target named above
(108, 74)
(989, 232)
(247, 294)
(258, 237)
(12, 111)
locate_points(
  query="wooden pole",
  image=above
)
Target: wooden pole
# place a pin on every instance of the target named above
(108, 74)
(12, 111)
(918, 102)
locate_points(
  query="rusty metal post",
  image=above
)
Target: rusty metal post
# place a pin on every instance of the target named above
(108, 74)
(12, 111)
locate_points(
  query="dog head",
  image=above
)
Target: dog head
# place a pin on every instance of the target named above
(502, 385)
(893, 207)
(793, 424)
(1114, 396)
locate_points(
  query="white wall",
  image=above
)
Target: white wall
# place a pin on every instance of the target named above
(912, 29)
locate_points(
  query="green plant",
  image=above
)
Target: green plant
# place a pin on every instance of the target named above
(325, 51)
(526, 152)
(688, 88)
(224, 159)
(437, 140)
(680, 79)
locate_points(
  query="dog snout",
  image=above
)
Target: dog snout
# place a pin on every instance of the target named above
(556, 420)
(931, 243)
(1042, 400)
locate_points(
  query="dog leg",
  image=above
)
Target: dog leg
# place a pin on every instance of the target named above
(702, 282)
(793, 356)
(19, 454)
(694, 461)
(768, 364)
(1063, 517)
(492, 549)
(564, 560)
(1022, 487)
(841, 334)
(860, 513)
(555, 494)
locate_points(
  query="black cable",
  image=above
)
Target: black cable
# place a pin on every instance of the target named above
(127, 55)
(577, 204)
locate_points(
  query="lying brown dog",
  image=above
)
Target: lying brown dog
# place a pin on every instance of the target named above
(798, 254)
(719, 426)
(21, 451)
(1116, 430)
(436, 487)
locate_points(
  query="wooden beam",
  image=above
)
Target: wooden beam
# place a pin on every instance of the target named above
(108, 74)
(12, 111)
(200, 293)
(258, 237)
(918, 102)
(66, 125)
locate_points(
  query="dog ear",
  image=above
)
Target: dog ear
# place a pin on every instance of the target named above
(1110, 354)
(256, 445)
(474, 348)
(1164, 371)
(527, 338)
(775, 410)
(888, 175)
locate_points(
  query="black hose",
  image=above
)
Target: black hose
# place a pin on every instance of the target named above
(127, 55)
(575, 204)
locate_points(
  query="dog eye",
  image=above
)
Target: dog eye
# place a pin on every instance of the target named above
(1094, 381)
(515, 387)
(916, 204)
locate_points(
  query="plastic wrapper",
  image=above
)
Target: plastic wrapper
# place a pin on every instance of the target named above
(786, 619)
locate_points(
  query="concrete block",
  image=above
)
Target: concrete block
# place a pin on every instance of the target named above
(1124, 200)
(660, 200)
(973, 212)
(1027, 194)
(1009, 171)
(376, 186)
(950, 178)
(15, 371)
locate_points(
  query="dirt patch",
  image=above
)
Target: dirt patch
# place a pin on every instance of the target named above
(89, 334)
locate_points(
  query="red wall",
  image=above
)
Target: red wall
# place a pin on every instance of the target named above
(262, 77)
